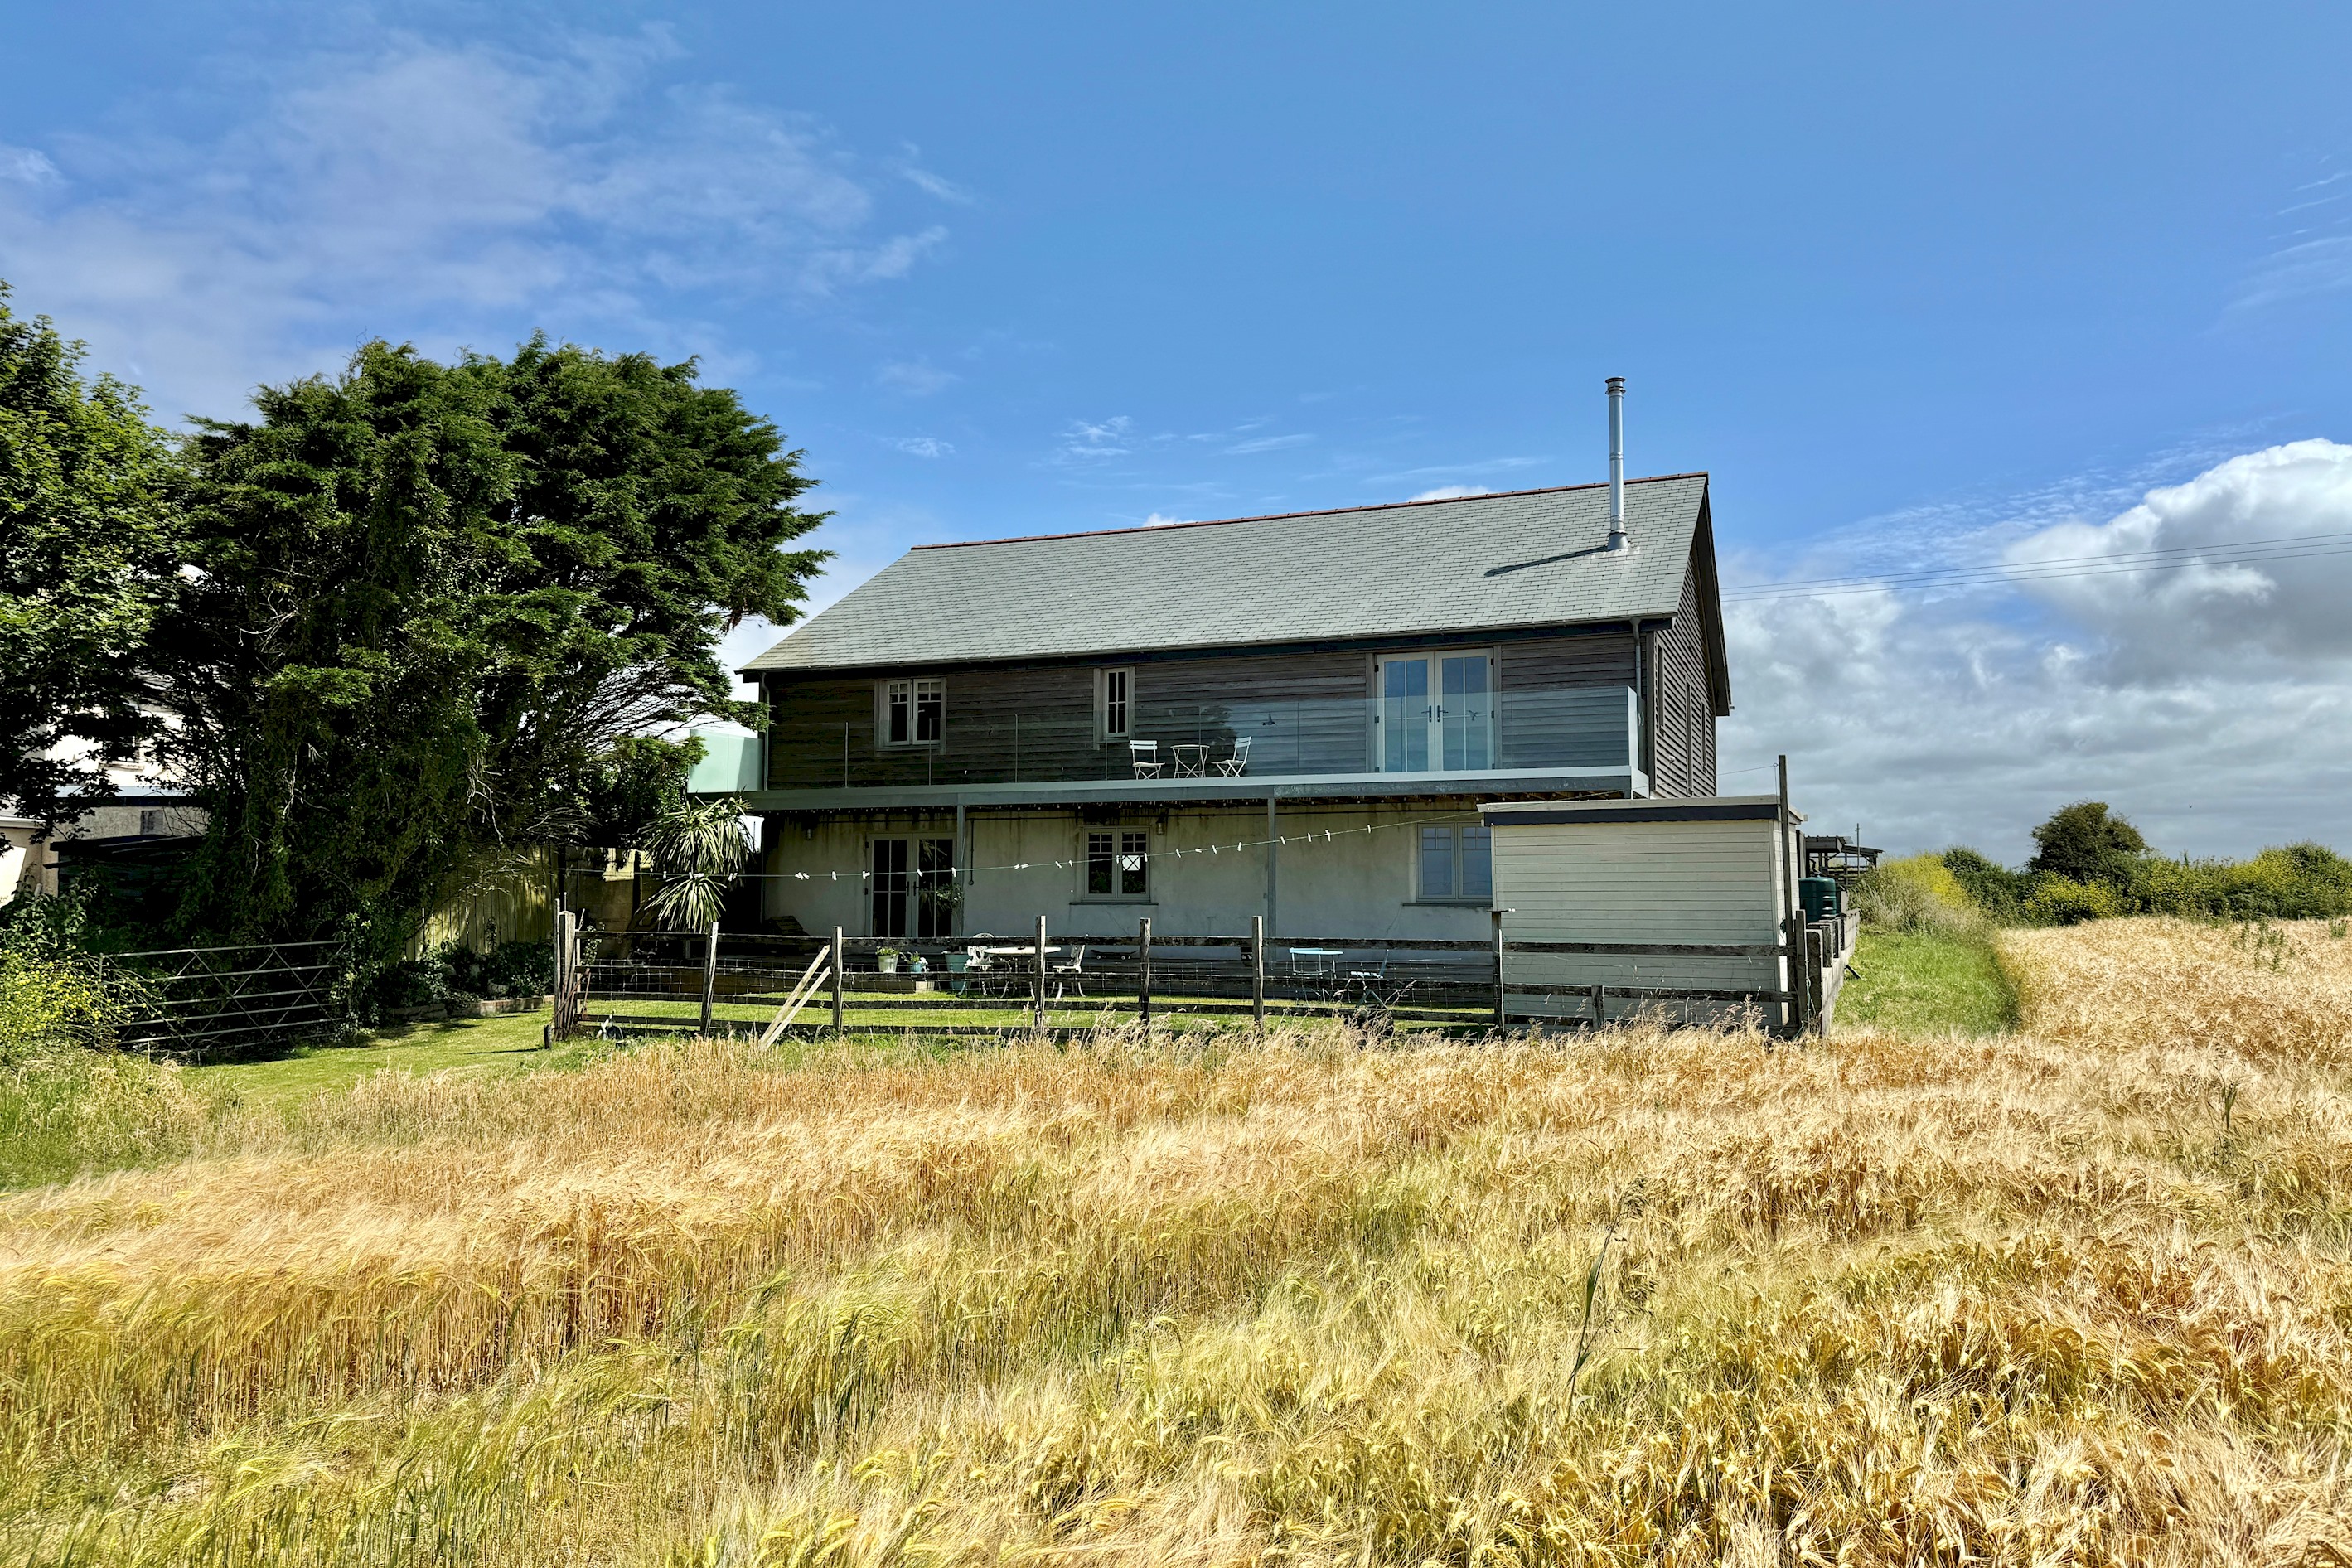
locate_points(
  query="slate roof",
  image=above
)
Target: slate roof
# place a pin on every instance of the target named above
(1527, 558)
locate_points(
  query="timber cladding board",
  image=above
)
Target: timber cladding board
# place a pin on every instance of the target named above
(1668, 881)
(1038, 721)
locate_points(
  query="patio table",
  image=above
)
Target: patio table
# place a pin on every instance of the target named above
(1191, 759)
(1318, 960)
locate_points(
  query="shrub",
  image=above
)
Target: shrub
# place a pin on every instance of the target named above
(1992, 886)
(2063, 901)
(510, 969)
(1917, 894)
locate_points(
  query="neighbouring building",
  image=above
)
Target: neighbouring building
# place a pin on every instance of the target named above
(1298, 716)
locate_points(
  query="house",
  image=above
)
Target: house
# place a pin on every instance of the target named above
(1296, 716)
(147, 821)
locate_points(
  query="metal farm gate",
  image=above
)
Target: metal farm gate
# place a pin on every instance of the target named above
(199, 1001)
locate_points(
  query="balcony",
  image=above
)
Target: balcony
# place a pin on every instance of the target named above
(1544, 740)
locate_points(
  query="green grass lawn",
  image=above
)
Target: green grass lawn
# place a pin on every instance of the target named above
(1921, 983)
(504, 1044)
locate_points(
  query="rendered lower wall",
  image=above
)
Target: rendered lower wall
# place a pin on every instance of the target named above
(1352, 883)
(1716, 883)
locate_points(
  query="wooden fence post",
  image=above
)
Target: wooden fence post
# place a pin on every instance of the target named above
(1040, 975)
(1258, 974)
(1502, 1017)
(1143, 972)
(710, 973)
(837, 980)
(1600, 1008)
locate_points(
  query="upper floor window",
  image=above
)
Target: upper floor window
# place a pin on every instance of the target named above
(914, 712)
(1114, 691)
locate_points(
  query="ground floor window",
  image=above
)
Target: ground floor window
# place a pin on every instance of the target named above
(1457, 863)
(913, 888)
(1118, 866)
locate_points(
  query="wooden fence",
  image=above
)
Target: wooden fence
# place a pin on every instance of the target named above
(714, 981)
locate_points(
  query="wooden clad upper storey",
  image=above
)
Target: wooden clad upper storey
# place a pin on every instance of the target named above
(1488, 632)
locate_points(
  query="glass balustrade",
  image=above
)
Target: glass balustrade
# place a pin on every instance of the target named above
(1405, 732)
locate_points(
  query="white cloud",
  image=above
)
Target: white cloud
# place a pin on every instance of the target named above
(2212, 705)
(931, 184)
(1159, 520)
(2238, 598)
(445, 193)
(915, 378)
(1094, 441)
(924, 447)
(1450, 492)
(27, 167)
(1267, 443)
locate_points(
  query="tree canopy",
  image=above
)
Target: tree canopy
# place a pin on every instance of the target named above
(2083, 843)
(432, 611)
(85, 538)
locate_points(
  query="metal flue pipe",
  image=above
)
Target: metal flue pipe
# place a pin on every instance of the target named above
(1616, 462)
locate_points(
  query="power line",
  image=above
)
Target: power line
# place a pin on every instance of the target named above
(2249, 551)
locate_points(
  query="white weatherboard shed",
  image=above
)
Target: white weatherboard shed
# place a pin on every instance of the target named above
(1625, 874)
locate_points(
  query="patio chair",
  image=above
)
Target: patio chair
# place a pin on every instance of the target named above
(1075, 970)
(1145, 755)
(1232, 767)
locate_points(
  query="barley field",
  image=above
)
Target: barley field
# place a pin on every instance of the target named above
(2078, 1293)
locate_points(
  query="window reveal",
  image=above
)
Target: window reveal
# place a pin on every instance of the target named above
(1119, 865)
(914, 712)
(1457, 863)
(1117, 684)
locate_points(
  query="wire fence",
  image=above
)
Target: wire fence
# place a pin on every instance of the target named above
(622, 983)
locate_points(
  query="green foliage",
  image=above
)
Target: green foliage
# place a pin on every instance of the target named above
(84, 539)
(633, 787)
(1927, 982)
(1916, 894)
(1991, 886)
(2082, 843)
(55, 996)
(698, 848)
(2058, 900)
(433, 602)
(455, 970)
(2298, 881)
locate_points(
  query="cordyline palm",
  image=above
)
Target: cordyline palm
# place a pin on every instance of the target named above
(698, 848)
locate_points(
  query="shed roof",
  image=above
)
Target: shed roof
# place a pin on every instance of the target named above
(1523, 558)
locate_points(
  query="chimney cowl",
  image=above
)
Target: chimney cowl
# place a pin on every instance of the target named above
(1616, 462)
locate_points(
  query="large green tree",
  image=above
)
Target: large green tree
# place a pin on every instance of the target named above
(430, 606)
(2083, 842)
(85, 541)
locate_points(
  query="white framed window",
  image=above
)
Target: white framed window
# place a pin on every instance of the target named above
(1119, 865)
(1457, 865)
(914, 712)
(1115, 703)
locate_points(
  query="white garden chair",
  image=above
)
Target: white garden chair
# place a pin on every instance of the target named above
(1232, 767)
(1145, 755)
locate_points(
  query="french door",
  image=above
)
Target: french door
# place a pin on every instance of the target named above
(1436, 712)
(910, 881)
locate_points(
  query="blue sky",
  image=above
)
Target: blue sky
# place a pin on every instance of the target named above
(1913, 288)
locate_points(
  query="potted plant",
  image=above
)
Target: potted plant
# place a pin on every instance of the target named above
(886, 960)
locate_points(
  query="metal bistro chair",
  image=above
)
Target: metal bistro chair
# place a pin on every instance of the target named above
(1237, 764)
(1145, 755)
(1074, 971)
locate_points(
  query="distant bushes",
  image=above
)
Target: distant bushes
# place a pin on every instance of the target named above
(2089, 864)
(1920, 895)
